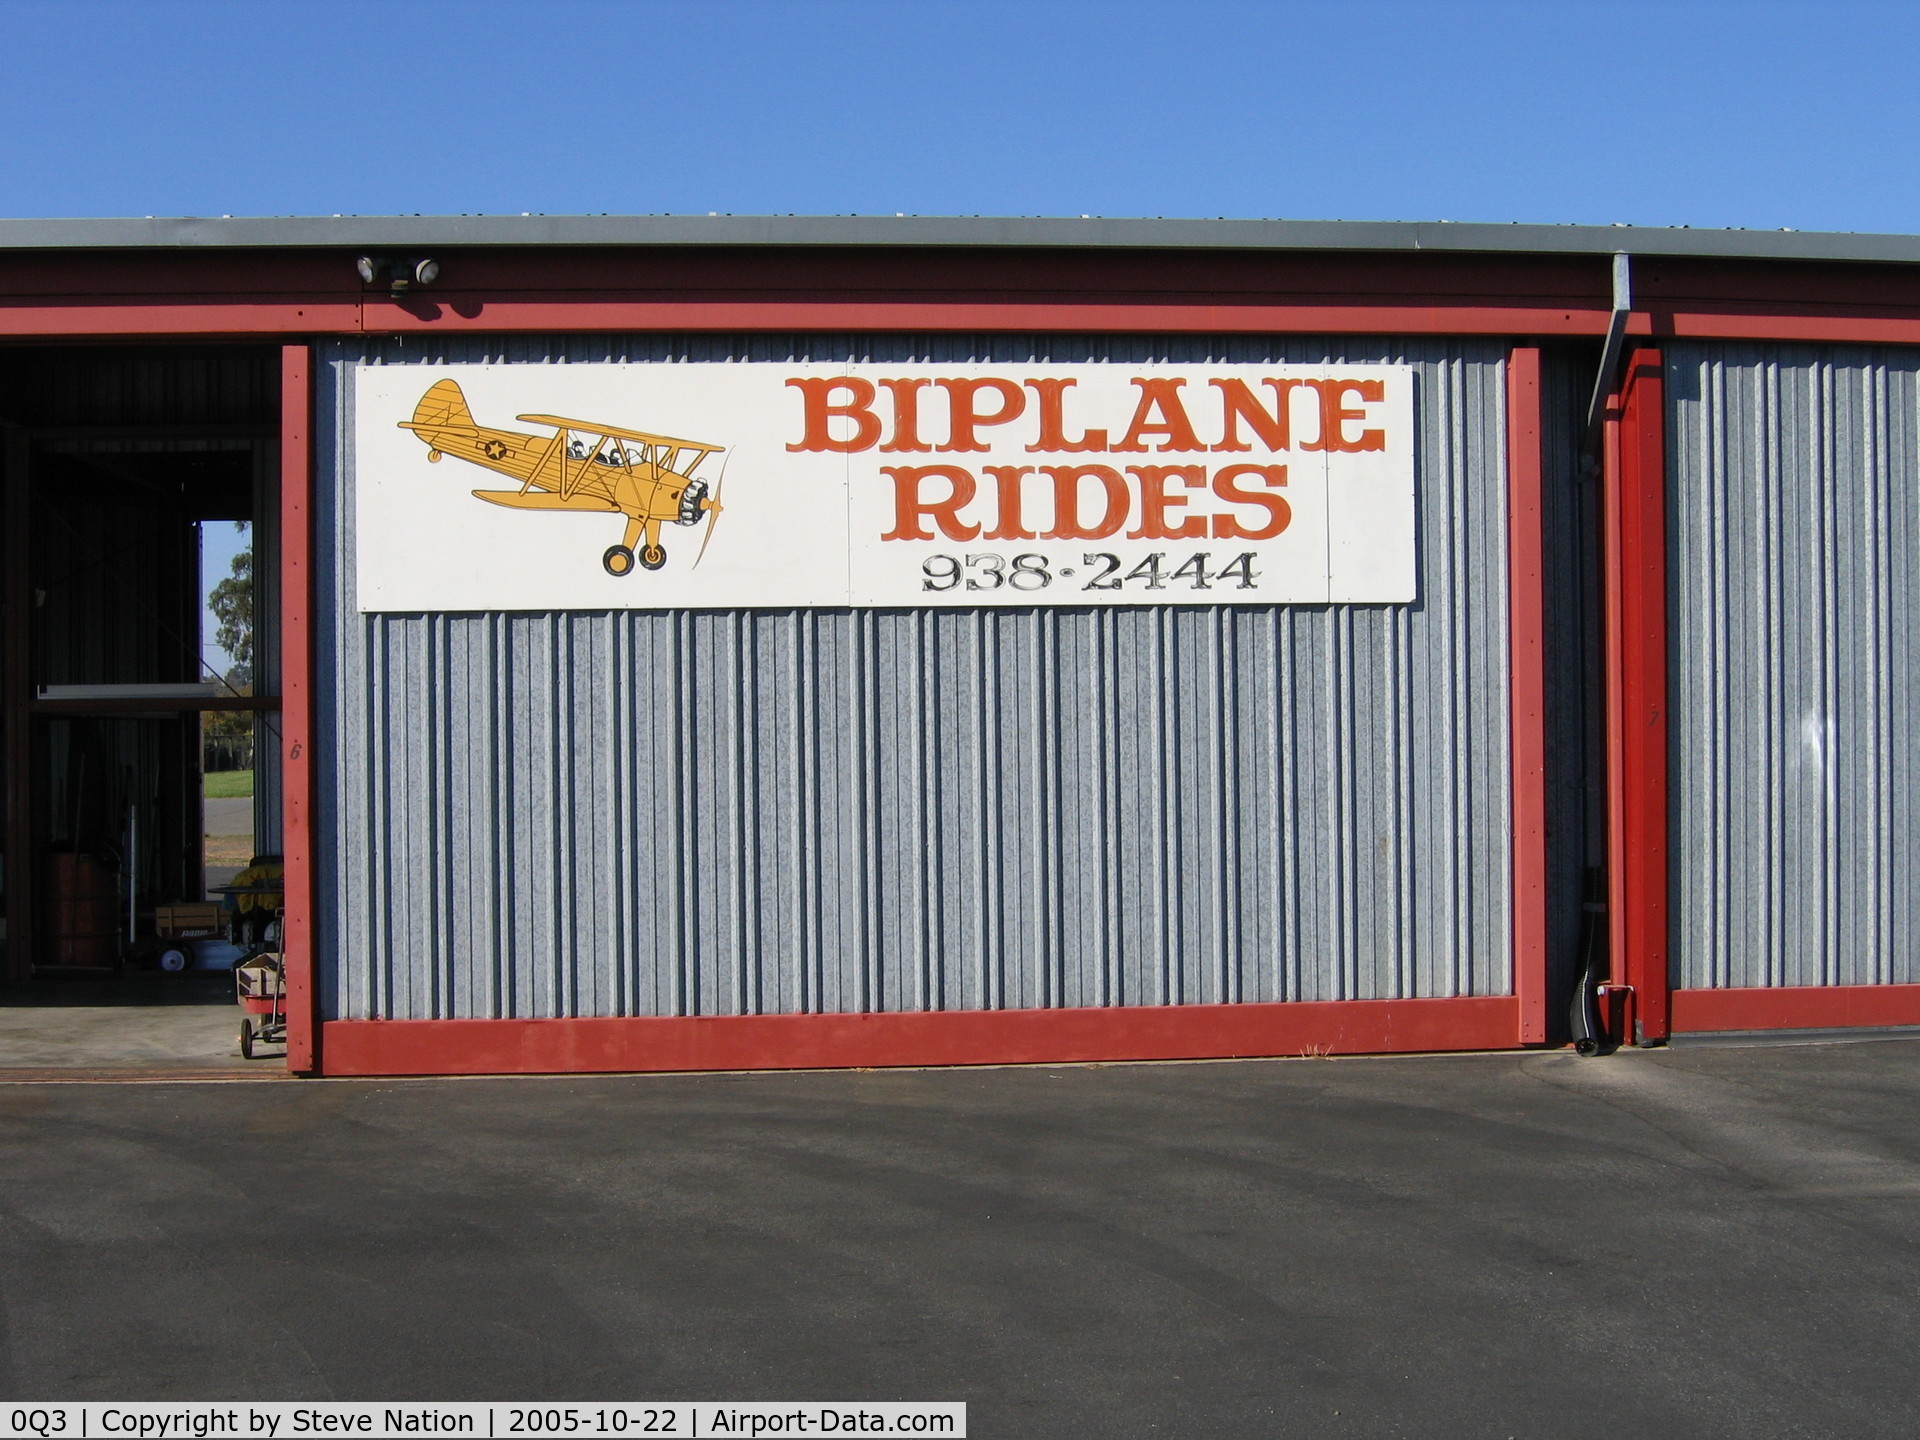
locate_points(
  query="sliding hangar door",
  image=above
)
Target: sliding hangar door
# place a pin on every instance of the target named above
(873, 815)
(1794, 653)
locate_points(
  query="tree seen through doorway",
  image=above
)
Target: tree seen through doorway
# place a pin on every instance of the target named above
(229, 733)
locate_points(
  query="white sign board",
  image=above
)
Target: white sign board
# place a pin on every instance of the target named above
(723, 486)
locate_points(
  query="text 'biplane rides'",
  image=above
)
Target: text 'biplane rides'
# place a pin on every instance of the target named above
(583, 465)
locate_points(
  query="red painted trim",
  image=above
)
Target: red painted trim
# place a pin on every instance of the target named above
(588, 313)
(296, 703)
(990, 1037)
(1636, 476)
(1527, 691)
(1161, 318)
(612, 313)
(1795, 1007)
(1823, 329)
(181, 317)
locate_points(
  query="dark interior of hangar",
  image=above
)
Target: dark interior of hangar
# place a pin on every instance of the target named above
(123, 469)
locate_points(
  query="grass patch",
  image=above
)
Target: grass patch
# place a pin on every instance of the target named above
(229, 784)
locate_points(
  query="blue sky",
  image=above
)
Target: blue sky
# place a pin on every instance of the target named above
(1759, 115)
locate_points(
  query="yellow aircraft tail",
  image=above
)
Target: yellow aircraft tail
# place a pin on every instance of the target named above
(443, 406)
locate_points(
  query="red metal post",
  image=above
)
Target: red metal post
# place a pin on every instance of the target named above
(296, 707)
(1527, 697)
(1636, 563)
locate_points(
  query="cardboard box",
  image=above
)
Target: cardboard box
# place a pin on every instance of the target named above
(259, 978)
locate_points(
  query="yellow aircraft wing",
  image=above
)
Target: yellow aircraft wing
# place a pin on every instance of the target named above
(546, 500)
(502, 450)
(533, 460)
(595, 427)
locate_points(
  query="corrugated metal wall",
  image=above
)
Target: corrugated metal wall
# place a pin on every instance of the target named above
(1795, 588)
(721, 813)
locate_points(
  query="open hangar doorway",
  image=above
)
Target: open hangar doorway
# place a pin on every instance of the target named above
(140, 765)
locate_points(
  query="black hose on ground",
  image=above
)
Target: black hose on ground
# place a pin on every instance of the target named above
(1589, 1030)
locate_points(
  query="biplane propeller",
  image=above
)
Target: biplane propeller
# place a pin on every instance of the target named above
(583, 466)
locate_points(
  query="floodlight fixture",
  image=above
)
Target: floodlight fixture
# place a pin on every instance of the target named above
(398, 273)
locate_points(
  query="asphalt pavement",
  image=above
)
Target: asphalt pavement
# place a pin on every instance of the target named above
(229, 817)
(1699, 1242)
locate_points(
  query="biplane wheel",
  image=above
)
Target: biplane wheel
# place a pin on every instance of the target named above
(652, 557)
(433, 456)
(618, 560)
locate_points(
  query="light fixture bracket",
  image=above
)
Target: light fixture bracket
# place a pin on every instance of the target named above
(399, 273)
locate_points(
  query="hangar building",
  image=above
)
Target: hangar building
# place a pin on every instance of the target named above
(724, 642)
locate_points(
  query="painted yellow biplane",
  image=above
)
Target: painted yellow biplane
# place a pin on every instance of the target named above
(583, 466)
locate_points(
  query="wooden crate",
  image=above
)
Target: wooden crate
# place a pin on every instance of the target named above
(199, 917)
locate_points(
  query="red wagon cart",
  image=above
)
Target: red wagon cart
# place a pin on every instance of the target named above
(260, 985)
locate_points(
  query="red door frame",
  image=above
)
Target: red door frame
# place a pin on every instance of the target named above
(296, 705)
(1635, 476)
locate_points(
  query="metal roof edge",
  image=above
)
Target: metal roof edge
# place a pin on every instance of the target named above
(376, 232)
